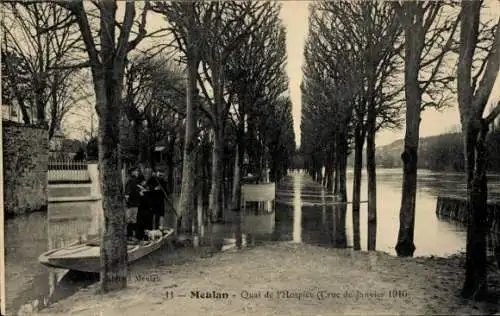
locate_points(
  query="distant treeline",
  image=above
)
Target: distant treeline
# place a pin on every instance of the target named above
(439, 153)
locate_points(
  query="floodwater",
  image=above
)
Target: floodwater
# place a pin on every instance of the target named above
(322, 224)
(31, 285)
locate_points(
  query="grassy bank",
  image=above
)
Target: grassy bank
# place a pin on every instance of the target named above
(283, 279)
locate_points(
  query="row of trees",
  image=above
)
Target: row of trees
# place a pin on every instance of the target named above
(349, 94)
(441, 153)
(225, 102)
(364, 62)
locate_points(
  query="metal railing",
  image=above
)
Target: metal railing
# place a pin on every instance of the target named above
(67, 171)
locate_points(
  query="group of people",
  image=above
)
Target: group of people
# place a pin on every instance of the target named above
(145, 194)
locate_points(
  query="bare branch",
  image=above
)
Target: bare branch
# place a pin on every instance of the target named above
(142, 27)
(81, 65)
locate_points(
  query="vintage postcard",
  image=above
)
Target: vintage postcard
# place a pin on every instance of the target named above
(250, 157)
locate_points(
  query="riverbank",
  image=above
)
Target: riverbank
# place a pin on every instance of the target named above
(284, 279)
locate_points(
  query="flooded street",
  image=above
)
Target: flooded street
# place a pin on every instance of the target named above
(297, 219)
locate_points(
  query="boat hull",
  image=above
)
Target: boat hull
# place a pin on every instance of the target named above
(86, 256)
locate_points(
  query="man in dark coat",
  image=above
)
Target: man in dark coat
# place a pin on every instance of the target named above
(132, 198)
(157, 186)
(144, 212)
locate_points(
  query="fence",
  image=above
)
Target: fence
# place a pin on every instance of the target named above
(68, 171)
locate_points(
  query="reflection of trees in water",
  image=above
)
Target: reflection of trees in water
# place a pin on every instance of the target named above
(339, 215)
(28, 237)
(62, 232)
(324, 225)
(492, 238)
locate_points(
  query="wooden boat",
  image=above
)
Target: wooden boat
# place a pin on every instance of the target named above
(85, 256)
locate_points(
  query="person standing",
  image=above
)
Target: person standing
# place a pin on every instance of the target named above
(144, 211)
(132, 199)
(157, 186)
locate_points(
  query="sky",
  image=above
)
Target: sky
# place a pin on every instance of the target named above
(294, 15)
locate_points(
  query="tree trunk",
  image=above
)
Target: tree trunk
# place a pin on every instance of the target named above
(236, 203)
(151, 149)
(341, 171)
(475, 285)
(24, 111)
(325, 175)
(19, 95)
(405, 246)
(186, 200)
(39, 100)
(215, 209)
(356, 190)
(199, 209)
(329, 173)
(53, 109)
(330, 160)
(238, 161)
(170, 165)
(472, 101)
(236, 177)
(336, 186)
(252, 145)
(108, 83)
(113, 239)
(372, 178)
(224, 196)
(217, 197)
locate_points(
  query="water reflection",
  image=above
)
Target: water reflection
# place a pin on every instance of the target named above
(339, 225)
(31, 285)
(306, 217)
(297, 209)
(331, 225)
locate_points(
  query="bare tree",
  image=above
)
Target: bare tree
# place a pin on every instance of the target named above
(327, 93)
(186, 21)
(225, 34)
(255, 75)
(153, 92)
(38, 42)
(428, 32)
(107, 59)
(473, 94)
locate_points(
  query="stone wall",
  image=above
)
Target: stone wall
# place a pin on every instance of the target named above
(25, 161)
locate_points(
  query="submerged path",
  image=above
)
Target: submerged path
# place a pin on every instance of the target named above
(299, 188)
